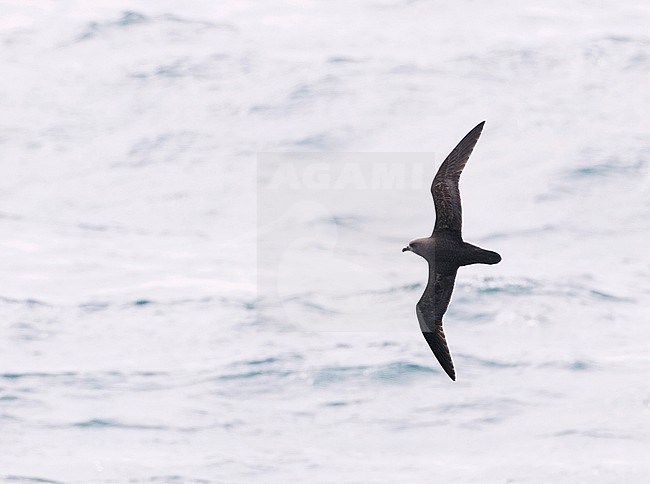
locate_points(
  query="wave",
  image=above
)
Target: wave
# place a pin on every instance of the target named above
(11, 477)
(389, 373)
(110, 423)
(575, 365)
(128, 19)
(535, 287)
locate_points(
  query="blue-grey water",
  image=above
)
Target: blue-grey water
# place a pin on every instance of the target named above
(135, 345)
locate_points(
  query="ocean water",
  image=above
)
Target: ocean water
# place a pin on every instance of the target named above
(140, 339)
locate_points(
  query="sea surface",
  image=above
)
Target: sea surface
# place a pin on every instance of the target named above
(163, 318)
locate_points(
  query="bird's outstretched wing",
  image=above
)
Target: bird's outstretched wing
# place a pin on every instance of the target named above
(446, 195)
(430, 309)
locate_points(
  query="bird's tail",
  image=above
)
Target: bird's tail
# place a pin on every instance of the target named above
(476, 255)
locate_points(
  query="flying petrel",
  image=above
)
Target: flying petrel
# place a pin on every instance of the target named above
(445, 250)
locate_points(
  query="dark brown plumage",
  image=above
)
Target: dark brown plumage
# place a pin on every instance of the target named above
(445, 251)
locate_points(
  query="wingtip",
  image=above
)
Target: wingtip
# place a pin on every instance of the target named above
(451, 374)
(449, 369)
(474, 133)
(438, 344)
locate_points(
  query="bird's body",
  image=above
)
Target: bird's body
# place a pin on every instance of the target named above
(445, 250)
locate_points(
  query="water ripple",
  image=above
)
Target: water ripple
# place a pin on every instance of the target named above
(29, 479)
(110, 423)
(128, 19)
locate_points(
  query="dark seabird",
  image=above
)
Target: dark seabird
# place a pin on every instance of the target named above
(445, 250)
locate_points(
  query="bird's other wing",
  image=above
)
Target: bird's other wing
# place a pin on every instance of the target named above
(430, 309)
(446, 195)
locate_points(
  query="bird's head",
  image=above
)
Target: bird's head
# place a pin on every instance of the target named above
(417, 246)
